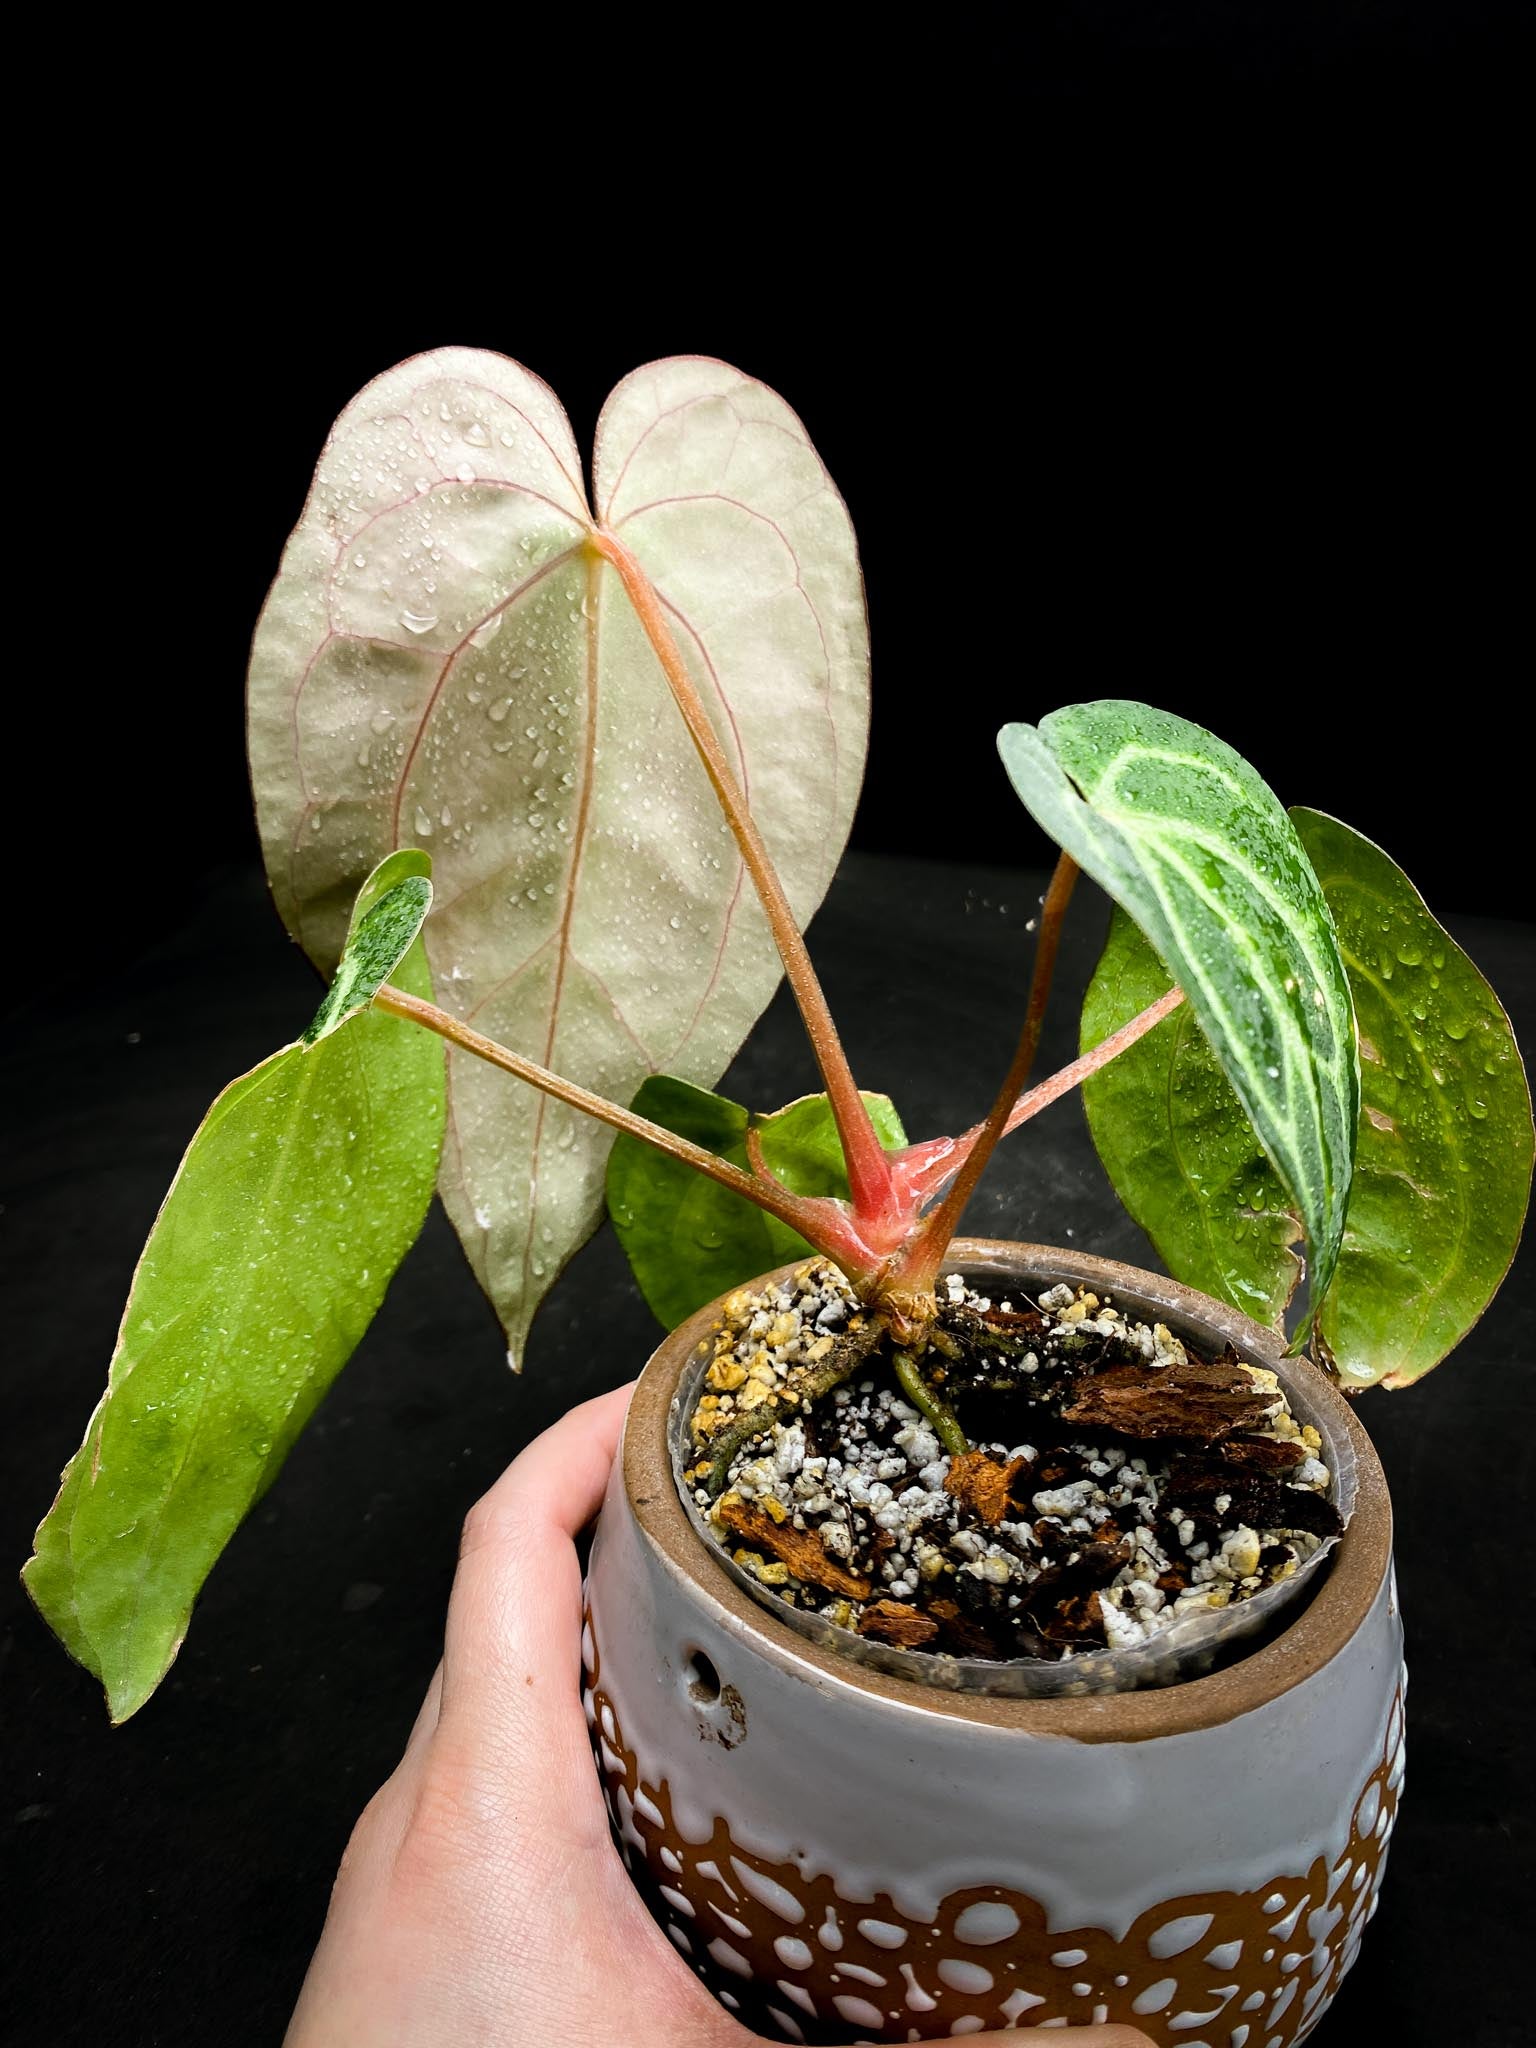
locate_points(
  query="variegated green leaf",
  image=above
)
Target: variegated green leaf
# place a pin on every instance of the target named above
(1195, 846)
(1443, 1167)
(390, 910)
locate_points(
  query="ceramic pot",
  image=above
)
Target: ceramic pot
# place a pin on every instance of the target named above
(843, 1854)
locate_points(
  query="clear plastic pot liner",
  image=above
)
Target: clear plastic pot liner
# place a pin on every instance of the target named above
(1187, 1648)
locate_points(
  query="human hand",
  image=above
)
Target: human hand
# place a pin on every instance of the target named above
(481, 1902)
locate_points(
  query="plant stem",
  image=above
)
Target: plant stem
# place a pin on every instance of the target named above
(757, 1159)
(1088, 1063)
(818, 1222)
(931, 1402)
(869, 1173)
(929, 1166)
(932, 1241)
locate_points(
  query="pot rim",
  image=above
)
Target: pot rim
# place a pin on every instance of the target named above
(1319, 1633)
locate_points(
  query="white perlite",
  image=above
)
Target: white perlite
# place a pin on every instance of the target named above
(892, 1478)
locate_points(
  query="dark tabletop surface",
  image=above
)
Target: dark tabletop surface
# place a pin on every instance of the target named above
(170, 1877)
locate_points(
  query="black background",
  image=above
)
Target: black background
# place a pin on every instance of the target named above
(1171, 352)
(1293, 522)
(1175, 353)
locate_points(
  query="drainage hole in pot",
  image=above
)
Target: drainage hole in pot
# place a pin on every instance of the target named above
(701, 1679)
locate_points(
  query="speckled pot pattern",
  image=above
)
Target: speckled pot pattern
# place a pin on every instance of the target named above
(843, 1855)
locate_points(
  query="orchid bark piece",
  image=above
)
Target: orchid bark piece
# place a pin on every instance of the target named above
(448, 658)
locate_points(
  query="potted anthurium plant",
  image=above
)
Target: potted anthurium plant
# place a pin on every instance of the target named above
(1011, 1591)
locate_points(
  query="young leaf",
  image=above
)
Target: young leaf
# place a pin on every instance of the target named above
(303, 1189)
(1175, 1142)
(445, 659)
(390, 910)
(1445, 1148)
(1444, 1166)
(1188, 839)
(690, 1240)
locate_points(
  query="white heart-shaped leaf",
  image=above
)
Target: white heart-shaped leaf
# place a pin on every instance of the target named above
(446, 661)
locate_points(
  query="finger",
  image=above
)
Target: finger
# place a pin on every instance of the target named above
(513, 1617)
(425, 1725)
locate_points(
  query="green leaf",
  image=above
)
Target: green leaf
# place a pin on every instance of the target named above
(390, 910)
(1443, 1172)
(1195, 846)
(1443, 1168)
(689, 1239)
(303, 1189)
(1181, 1154)
(444, 660)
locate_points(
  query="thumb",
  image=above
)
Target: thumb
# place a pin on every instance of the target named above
(514, 1617)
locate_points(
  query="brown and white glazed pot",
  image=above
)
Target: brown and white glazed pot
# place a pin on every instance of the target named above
(845, 1855)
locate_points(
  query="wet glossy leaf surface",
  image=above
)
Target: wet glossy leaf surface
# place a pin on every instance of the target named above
(1174, 1140)
(444, 662)
(390, 910)
(1443, 1170)
(302, 1190)
(688, 1239)
(422, 1423)
(1195, 846)
(1443, 1164)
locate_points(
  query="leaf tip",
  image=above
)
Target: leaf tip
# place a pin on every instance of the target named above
(128, 1691)
(26, 1576)
(123, 1702)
